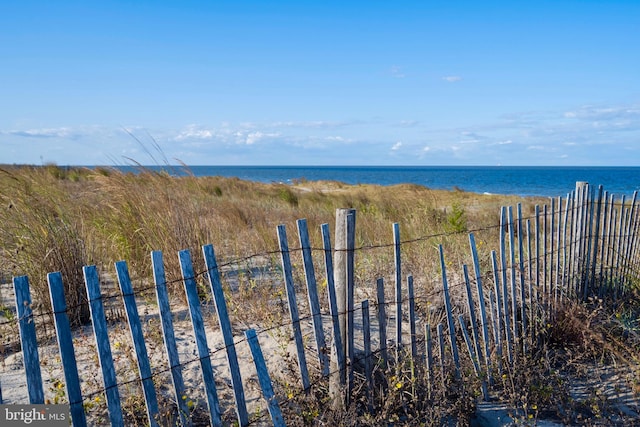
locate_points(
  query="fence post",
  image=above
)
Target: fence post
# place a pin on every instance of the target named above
(138, 341)
(440, 333)
(563, 282)
(551, 287)
(312, 294)
(481, 303)
(293, 307)
(338, 373)
(168, 336)
(496, 312)
(227, 333)
(264, 379)
(603, 240)
(474, 357)
(557, 284)
(523, 296)
(472, 314)
(28, 339)
(368, 371)
(429, 357)
(596, 235)
(99, 322)
(191, 291)
(447, 303)
(340, 274)
(618, 248)
(398, 288)
(67, 353)
(351, 243)
(412, 324)
(631, 230)
(512, 276)
(505, 286)
(382, 322)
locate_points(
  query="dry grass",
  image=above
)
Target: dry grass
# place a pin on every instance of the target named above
(59, 219)
(56, 219)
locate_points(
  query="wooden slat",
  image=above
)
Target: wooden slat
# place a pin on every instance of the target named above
(496, 312)
(472, 314)
(512, 276)
(412, 322)
(440, 333)
(28, 339)
(191, 291)
(137, 336)
(366, 339)
(168, 336)
(351, 349)
(481, 302)
(312, 293)
(264, 379)
(473, 356)
(105, 357)
(505, 287)
(447, 303)
(67, 352)
(227, 333)
(398, 289)
(521, 256)
(333, 306)
(382, 322)
(429, 358)
(293, 306)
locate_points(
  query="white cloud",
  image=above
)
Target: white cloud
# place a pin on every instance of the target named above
(452, 79)
(194, 134)
(62, 132)
(257, 136)
(396, 146)
(426, 149)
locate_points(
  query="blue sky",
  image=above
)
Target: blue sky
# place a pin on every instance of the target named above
(321, 83)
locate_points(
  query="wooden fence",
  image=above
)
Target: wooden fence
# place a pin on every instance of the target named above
(576, 247)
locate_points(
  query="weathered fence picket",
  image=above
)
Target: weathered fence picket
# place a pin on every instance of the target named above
(293, 306)
(351, 284)
(227, 333)
(481, 303)
(337, 363)
(448, 308)
(312, 293)
(168, 336)
(412, 323)
(67, 352)
(197, 322)
(137, 336)
(28, 339)
(398, 290)
(105, 357)
(366, 340)
(264, 379)
(382, 322)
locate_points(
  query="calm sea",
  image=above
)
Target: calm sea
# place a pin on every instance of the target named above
(522, 180)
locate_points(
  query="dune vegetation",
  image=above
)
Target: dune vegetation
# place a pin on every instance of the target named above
(58, 219)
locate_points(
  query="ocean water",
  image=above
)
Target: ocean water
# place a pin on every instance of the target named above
(522, 180)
